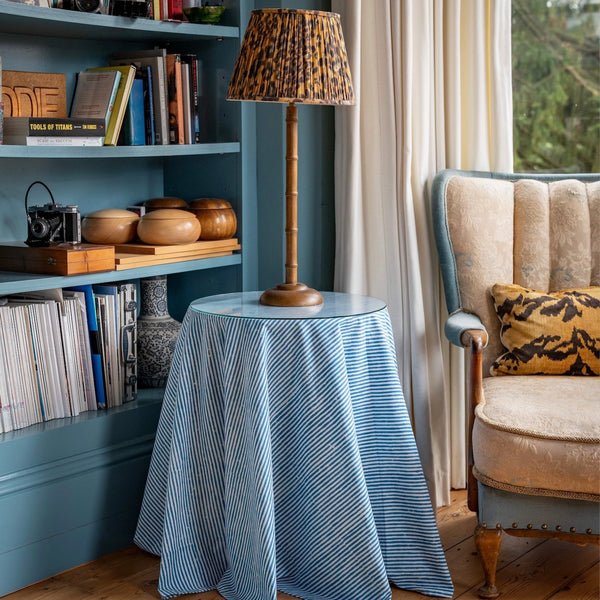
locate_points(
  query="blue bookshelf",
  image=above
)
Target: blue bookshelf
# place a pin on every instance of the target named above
(72, 488)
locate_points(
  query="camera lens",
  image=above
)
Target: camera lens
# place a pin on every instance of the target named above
(87, 5)
(39, 228)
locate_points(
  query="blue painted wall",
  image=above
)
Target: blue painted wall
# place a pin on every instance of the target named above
(316, 237)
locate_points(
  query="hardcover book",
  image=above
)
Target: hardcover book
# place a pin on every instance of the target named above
(52, 140)
(54, 126)
(121, 100)
(175, 92)
(134, 125)
(95, 95)
(94, 338)
(195, 91)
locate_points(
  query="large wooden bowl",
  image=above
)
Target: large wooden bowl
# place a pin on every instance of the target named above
(165, 202)
(109, 226)
(167, 226)
(217, 218)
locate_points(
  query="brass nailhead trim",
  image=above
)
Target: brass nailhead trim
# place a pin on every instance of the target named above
(572, 530)
(498, 526)
(515, 525)
(588, 531)
(544, 526)
(558, 528)
(529, 526)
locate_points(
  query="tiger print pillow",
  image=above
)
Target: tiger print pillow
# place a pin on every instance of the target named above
(548, 333)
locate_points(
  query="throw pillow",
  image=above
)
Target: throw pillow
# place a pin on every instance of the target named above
(548, 333)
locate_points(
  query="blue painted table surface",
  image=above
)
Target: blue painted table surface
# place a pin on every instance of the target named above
(285, 459)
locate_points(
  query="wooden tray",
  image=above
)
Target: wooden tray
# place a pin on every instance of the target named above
(132, 261)
(67, 259)
(215, 245)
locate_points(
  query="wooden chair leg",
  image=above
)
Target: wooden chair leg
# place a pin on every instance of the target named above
(487, 542)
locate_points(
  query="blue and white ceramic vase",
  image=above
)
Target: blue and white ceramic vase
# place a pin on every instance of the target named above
(157, 333)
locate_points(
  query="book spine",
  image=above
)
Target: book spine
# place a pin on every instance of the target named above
(179, 97)
(134, 129)
(44, 126)
(160, 99)
(192, 60)
(53, 141)
(175, 10)
(149, 109)
(174, 95)
(187, 103)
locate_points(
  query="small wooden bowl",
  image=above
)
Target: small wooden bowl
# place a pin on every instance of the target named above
(165, 202)
(217, 218)
(109, 226)
(166, 226)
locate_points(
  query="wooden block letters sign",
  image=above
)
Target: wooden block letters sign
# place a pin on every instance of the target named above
(28, 94)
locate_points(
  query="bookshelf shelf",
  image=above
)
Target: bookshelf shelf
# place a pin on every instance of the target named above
(16, 283)
(146, 397)
(34, 20)
(114, 152)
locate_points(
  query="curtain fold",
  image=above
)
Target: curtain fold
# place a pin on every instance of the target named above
(433, 84)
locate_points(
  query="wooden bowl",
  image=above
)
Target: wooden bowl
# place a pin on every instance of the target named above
(165, 202)
(109, 226)
(217, 218)
(166, 226)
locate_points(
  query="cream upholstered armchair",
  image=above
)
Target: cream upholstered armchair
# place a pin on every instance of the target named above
(520, 260)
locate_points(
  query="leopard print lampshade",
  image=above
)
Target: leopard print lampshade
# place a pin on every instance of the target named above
(290, 55)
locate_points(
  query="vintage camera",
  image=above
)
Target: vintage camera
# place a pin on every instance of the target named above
(131, 8)
(89, 6)
(52, 223)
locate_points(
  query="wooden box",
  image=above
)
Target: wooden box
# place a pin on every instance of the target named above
(62, 259)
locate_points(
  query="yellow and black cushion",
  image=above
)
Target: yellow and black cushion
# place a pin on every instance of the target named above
(548, 333)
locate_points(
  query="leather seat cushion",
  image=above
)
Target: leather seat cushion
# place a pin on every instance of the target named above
(539, 435)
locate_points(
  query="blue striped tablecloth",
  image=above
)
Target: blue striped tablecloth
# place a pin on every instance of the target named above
(285, 459)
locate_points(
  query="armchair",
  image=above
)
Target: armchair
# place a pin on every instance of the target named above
(509, 246)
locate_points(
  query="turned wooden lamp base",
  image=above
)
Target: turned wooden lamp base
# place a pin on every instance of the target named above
(291, 294)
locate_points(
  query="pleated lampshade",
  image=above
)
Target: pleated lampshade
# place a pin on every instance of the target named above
(290, 55)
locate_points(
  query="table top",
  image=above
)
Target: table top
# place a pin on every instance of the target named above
(246, 305)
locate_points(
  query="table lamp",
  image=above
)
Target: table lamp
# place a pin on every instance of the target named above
(293, 56)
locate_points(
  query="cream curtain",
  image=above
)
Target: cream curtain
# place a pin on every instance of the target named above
(433, 83)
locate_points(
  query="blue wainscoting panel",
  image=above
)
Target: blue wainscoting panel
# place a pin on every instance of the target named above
(70, 489)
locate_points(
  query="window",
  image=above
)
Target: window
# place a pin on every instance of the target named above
(556, 85)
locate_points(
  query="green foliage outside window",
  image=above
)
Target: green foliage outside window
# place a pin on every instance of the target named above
(556, 85)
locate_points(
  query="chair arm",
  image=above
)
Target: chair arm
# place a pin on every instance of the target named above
(476, 339)
(458, 323)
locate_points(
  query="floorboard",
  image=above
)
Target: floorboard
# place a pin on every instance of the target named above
(528, 569)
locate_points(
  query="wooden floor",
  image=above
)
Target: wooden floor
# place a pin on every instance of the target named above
(528, 569)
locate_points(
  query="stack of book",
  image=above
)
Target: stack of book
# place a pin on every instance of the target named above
(53, 131)
(66, 351)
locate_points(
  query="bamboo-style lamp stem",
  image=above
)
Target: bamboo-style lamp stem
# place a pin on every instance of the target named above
(291, 194)
(291, 293)
(290, 55)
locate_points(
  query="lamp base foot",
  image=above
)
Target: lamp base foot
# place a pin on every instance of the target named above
(291, 294)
